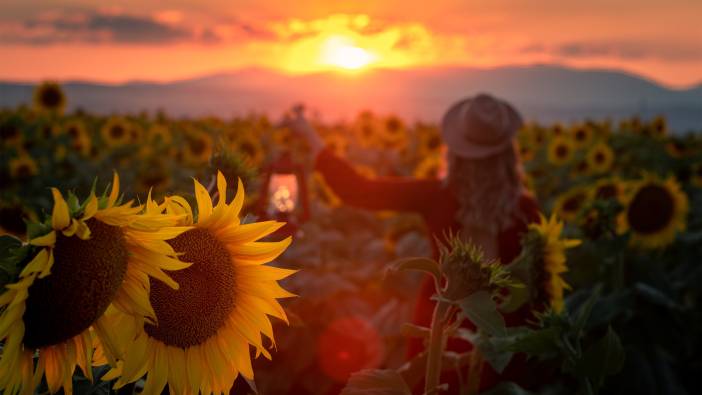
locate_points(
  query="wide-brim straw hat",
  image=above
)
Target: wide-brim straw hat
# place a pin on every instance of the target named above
(479, 127)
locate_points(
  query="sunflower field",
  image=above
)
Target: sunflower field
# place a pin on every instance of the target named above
(142, 253)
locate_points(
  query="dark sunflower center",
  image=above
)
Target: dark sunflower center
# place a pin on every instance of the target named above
(50, 97)
(651, 210)
(580, 135)
(248, 148)
(561, 151)
(117, 131)
(434, 142)
(573, 203)
(24, 170)
(73, 132)
(394, 125)
(8, 132)
(582, 167)
(698, 171)
(195, 312)
(606, 192)
(599, 157)
(11, 219)
(84, 279)
(197, 146)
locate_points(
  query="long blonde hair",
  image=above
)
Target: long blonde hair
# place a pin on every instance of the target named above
(488, 190)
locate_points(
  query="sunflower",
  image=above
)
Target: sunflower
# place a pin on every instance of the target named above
(201, 342)
(367, 128)
(553, 259)
(23, 166)
(10, 133)
(429, 167)
(655, 211)
(658, 127)
(159, 134)
(600, 158)
(198, 147)
(337, 143)
(569, 205)
(116, 132)
(394, 132)
(80, 138)
(526, 153)
(607, 189)
(429, 139)
(560, 150)
(49, 97)
(13, 217)
(696, 175)
(81, 266)
(581, 168)
(250, 148)
(581, 135)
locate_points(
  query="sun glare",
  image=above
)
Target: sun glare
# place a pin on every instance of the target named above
(341, 52)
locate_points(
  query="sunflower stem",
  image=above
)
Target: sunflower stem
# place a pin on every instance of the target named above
(475, 370)
(436, 347)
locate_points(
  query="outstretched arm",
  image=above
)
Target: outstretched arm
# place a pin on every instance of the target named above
(388, 193)
(383, 193)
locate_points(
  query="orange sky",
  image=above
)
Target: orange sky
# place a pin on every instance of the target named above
(165, 40)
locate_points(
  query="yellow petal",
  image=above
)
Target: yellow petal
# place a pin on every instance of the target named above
(114, 193)
(61, 216)
(91, 208)
(204, 203)
(221, 189)
(48, 239)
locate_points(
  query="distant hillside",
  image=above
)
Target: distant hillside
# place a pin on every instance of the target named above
(543, 93)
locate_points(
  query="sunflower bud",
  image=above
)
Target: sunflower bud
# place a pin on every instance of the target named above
(466, 270)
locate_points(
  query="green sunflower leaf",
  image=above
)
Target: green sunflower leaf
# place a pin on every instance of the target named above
(482, 311)
(604, 358)
(36, 229)
(421, 264)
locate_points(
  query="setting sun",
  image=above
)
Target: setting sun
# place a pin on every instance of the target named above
(341, 52)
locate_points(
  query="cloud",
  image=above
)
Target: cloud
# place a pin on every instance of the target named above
(619, 50)
(96, 27)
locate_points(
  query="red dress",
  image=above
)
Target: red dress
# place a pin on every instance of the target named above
(438, 206)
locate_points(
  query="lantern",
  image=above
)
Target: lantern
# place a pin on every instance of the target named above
(284, 194)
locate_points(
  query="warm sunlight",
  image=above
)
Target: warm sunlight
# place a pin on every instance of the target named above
(341, 52)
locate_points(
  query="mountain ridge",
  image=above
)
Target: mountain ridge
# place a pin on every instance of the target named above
(545, 93)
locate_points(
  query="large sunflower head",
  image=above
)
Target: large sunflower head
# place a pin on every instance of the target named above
(600, 158)
(201, 338)
(49, 97)
(117, 131)
(79, 262)
(655, 210)
(560, 150)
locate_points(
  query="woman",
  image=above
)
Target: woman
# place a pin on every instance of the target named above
(482, 198)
